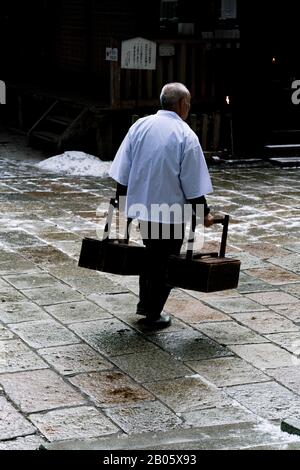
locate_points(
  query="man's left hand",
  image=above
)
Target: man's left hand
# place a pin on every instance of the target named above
(208, 220)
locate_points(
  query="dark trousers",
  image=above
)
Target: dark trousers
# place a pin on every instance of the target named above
(160, 241)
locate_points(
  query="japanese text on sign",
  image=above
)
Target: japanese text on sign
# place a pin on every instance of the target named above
(138, 53)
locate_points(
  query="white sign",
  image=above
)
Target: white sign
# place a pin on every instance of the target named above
(166, 50)
(138, 53)
(112, 54)
(2, 92)
(228, 9)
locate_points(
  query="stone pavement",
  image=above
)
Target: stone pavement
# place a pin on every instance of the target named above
(77, 370)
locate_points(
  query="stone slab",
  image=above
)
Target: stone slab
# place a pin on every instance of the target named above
(218, 416)
(289, 377)
(193, 311)
(79, 423)
(241, 436)
(40, 390)
(265, 322)
(110, 388)
(76, 312)
(272, 298)
(235, 305)
(152, 416)
(111, 337)
(29, 281)
(230, 332)
(290, 311)
(95, 286)
(53, 295)
(268, 400)
(228, 371)
(5, 334)
(151, 366)
(12, 423)
(44, 333)
(11, 295)
(274, 275)
(189, 393)
(15, 356)
(289, 341)
(119, 303)
(263, 356)
(74, 359)
(291, 262)
(18, 312)
(189, 345)
(23, 443)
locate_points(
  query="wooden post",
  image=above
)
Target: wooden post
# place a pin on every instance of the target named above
(193, 119)
(204, 131)
(182, 63)
(216, 130)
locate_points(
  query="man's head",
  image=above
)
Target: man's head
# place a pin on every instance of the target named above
(176, 97)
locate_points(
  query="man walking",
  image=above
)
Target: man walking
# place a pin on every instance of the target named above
(160, 165)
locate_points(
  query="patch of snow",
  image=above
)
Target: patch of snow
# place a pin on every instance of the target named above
(76, 164)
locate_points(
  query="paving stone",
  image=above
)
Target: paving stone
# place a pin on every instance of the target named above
(189, 345)
(45, 256)
(110, 388)
(3, 285)
(218, 416)
(44, 333)
(291, 262)
(29, 281)
(16, 356)
(293, 289)
(293, 247)
(120, 303)
(235, 305)
(265, 322)
(150, 366)
(274, 275)
(289, 377)
(111, 337)
(74, 359)
(263, 356)
(229, 333)
(193, 311)
(11, 295)
(248, 261)
(39, 390)
(79, 423)
(5, 334)
(144, 418)
(272, 298)
(268, 400)
(290, 311)
(187, 394)
(19, 238)
(74, 312)
(21, 266)
(12, 423)
(53, 295)
(95, 286)
(263, 250)
(23, 443)
(289, 341)
(17, 312)
(227, 371)
(249, 284)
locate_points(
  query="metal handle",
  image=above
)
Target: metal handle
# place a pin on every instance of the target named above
(114, 204)
(219, 220)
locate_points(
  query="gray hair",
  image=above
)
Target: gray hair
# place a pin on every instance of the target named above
(171, 94)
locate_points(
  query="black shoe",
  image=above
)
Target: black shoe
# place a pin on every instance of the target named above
(141, 311)
(163, 321)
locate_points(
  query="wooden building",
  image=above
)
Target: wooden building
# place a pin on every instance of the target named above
(62, 62)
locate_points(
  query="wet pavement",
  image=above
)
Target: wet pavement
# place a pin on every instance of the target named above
(76, 368)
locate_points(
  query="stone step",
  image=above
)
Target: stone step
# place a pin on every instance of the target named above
(226, 437)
